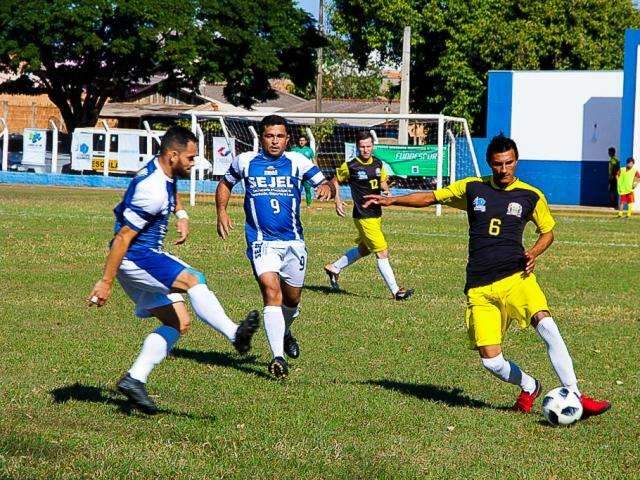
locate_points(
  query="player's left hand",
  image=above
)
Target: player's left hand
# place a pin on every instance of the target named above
(324, 192)
(530, 264)
(100, 294)
(182, 227)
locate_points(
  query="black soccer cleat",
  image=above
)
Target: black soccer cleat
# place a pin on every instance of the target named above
(403, 294)
(291, 347)
(136, 392)
(333, 278)
(279, 367)
(246, 329)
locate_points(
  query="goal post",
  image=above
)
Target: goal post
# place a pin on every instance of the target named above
(439, 150)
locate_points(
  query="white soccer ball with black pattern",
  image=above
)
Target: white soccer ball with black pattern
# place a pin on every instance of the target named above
(561, 406)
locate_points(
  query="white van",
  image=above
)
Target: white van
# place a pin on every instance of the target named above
(129, 149)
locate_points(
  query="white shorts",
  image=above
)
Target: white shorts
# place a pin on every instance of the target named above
(287, 258)
(146, 290)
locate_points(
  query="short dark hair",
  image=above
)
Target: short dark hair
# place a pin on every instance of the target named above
(500, 144)
(630, 160)
(363, 135)
(177, 135)
(303, 135)
(612, 151)
(270, 121)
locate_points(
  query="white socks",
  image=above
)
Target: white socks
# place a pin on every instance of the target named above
(558, 353)
(274, 326)
(290, 314)
(509, 372)
(154, 349)
(384, 267)
(347, 259)
(209, 310)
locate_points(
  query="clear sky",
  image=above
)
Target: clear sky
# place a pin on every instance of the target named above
(310, 6)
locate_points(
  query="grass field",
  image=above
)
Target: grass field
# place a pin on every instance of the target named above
(381, 390)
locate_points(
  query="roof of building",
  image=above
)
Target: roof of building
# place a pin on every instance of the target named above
(137, 110)
(348, 106)
(284, 100)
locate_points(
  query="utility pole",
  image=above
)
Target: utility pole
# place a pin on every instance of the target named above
(403, 125)
(319, 74)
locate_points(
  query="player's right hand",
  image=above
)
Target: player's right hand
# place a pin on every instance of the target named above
(224, 225)
(100, 293)
(376, 200)
(340, 209)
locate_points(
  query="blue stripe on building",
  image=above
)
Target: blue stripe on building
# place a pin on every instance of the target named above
(631, 42)
(500, 101)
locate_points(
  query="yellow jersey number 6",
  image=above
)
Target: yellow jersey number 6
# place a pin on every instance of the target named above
(494, 226)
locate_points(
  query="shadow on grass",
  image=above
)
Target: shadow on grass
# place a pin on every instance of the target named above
(246, 364)
(448, 395)
(328, 290)
(92, 394)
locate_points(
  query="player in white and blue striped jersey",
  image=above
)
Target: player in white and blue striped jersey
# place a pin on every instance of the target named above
(272, 180)
(153, 278)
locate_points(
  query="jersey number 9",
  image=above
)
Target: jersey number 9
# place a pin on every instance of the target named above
(275, 205)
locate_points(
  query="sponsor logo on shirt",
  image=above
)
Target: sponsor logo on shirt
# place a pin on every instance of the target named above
(377, 172)
(270, 182)
(270, 170)
(362, 175)
(514, 209)
(479, 204)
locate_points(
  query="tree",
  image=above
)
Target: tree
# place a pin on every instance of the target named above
(455, 43)
(83, 52)
(343, 77)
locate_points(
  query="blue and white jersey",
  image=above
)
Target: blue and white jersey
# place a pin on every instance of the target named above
(145, 208)
(272, 193)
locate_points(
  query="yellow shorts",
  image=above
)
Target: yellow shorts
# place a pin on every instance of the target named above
(370, 233)
(491, 308)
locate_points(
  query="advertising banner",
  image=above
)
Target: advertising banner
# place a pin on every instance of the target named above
(223, 154)
(350, 151)
(128, 153)
(34, 146)
(413, 161)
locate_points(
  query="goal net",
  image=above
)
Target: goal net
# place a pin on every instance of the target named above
(419, 152)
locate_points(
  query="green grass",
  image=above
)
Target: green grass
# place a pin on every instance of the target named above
(382, 389)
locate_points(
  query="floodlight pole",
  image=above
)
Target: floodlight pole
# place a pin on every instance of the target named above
(192, 178)
(5, 144)
(200, 168)
(320, 59)
(54, 147)
(403, 125)
(440, 160)
(256, 140)
(452, 156)
(107, 148)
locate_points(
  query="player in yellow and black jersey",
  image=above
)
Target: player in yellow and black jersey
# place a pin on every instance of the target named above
(365, 176)
(501, 285)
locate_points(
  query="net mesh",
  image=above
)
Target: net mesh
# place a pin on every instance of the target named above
(412, 166)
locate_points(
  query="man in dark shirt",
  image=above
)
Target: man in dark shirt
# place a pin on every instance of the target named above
(365, 176)
(613, 169)
(501, 285)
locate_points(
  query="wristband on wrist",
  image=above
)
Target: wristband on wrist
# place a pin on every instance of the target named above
(182, 214)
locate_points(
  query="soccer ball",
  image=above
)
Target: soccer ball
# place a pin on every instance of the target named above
(561, 406)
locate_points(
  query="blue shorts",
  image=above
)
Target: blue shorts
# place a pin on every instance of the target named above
(147, 279)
